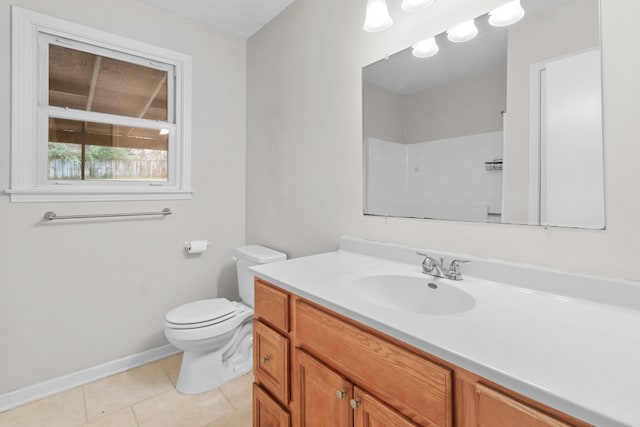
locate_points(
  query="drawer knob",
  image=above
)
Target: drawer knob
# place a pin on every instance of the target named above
(354, 403)
(264, 359)
(340, 394)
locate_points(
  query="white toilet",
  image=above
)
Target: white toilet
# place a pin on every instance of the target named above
(216, 335)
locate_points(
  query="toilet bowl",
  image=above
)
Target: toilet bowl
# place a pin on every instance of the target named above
(216, 334)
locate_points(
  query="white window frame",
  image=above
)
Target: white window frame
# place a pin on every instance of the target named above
(30, 113)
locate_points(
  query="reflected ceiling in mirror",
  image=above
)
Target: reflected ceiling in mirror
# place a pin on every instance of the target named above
(505, 128)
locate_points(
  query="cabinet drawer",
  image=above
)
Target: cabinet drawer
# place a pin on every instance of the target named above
(266, 411)
(271, 361)
(272, 305)
(419, 389)
(496, 409)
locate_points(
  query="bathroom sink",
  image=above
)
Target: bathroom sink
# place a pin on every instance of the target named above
(419, 294)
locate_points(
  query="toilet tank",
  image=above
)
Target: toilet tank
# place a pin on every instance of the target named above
(247, 256)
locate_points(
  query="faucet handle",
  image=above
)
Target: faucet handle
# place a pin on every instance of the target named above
(428, 258)
(454, 268)
(429, 264)
(426, 255)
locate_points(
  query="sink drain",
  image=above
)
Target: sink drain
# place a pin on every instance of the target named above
(433, 286)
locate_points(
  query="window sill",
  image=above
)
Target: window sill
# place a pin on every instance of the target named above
(29, 195)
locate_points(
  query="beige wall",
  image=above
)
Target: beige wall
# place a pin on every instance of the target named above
(304, 140)
(569, 28)
(80, 293)
(382, 116)
(465, 107)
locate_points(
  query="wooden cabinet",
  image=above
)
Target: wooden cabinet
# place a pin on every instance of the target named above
(271, 360)
(272, 305)
(314, 367)
(329, 399)
(370, 412)
(323, 394)
(266, 411)
(271, 354)
(496, 409)
(417, 387)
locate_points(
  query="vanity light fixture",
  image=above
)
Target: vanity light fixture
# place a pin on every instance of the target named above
(463, 32)
(426, 48)
(377, 18)
(413, 5)
(506, 14)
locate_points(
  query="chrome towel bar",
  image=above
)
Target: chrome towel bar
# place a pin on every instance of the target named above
(50, 216)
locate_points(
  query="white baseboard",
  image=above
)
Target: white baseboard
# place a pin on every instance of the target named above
(75, 379)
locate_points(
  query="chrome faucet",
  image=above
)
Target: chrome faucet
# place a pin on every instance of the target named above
(436, 268)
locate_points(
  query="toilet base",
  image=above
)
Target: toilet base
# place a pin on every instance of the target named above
(191, 379)
(202, 372)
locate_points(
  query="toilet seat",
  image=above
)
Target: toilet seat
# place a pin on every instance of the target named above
(216, 328)
(200, 314)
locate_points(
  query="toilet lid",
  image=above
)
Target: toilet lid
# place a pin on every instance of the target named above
(201, 311)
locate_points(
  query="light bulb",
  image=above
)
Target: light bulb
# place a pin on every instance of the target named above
(506, 14)
(426, 48)
(413, 5)
(463, 32)
(378, 18)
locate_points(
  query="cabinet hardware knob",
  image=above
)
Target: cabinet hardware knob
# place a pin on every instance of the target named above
(354, 403)
(340, 394)
(264, 359)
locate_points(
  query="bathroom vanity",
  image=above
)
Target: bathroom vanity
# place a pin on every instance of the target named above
(326, 354)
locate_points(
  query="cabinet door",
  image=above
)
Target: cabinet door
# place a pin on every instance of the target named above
(324, 395)
(271, 361)
(370, 412)
(496, 409)
(266, 411)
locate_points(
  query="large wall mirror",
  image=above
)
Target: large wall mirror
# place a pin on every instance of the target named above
(506, 127)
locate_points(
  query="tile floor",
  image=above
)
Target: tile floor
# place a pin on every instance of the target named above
(141, 397)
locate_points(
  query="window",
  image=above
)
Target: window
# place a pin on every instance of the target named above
(96, 116)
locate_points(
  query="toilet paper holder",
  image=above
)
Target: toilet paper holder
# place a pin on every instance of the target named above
(197, 246)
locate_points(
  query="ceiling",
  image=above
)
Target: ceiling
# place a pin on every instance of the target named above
(240, 18)
(404, 74)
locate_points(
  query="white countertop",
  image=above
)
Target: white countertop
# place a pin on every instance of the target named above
(578, 356)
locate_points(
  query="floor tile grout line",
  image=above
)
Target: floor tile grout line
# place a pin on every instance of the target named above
(135, 416)
(112, 411)
(151, 397)
(166, 372)
(227, 399)
(133, 409)
(165, 368)
(84, 403)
